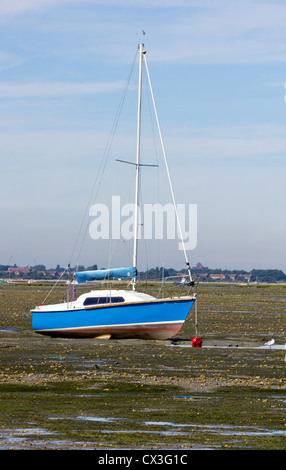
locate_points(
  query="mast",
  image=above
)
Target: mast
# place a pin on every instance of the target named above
(141, 52)
(141, 55)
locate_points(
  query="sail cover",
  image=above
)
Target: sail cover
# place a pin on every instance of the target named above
(106, 274)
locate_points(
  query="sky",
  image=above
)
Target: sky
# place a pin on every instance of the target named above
(218, 71)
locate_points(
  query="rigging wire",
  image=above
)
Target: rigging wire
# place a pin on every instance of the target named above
(158, 186)
(103, 162)
(98, 178)
(57, 281)
(168, 174)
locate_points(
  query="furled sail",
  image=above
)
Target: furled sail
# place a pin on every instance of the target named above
(105, 274)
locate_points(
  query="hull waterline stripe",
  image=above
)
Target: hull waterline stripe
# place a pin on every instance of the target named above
(119, 325)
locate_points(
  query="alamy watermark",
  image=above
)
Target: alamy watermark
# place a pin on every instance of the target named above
(155, 221)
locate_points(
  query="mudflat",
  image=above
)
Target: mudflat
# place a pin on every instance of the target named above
(60, 393)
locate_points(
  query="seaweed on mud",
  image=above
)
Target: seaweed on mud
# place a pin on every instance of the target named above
(71, 393)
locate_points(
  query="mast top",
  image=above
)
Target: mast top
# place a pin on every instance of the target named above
(141, 48)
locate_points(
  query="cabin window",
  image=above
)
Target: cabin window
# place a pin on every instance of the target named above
(102, 300)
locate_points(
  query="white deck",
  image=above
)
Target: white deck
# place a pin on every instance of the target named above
(129, 296)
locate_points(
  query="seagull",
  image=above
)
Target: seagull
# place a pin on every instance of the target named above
(270, 343)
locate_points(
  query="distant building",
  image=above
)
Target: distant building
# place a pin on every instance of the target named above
(245, 276)
(217, 276)
(18, 271)
(202, 275)
(199, 266)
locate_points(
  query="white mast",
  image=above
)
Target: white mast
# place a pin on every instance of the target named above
(141, 52)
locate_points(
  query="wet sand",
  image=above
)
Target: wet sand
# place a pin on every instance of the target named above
(95, 394)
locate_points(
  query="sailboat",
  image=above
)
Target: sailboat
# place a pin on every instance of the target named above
(111, 313)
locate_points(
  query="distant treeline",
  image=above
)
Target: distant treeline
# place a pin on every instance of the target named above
(201, 274)
(208, 274)
(255, 275)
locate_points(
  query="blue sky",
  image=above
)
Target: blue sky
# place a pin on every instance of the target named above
(218, 70)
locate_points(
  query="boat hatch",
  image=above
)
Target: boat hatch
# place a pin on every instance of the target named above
(102, 300)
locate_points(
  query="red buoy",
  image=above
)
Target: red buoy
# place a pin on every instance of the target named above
(196, 342)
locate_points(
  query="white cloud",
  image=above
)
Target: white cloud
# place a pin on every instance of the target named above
(207, 31)
(14, 7)
(11, 90)
(228, 142)
(225, 32)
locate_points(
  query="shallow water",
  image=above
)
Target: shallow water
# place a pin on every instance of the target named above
(278, 347)
(23, 438)
(11, 329)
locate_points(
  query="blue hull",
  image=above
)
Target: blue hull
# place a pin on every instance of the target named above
(158, 319)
